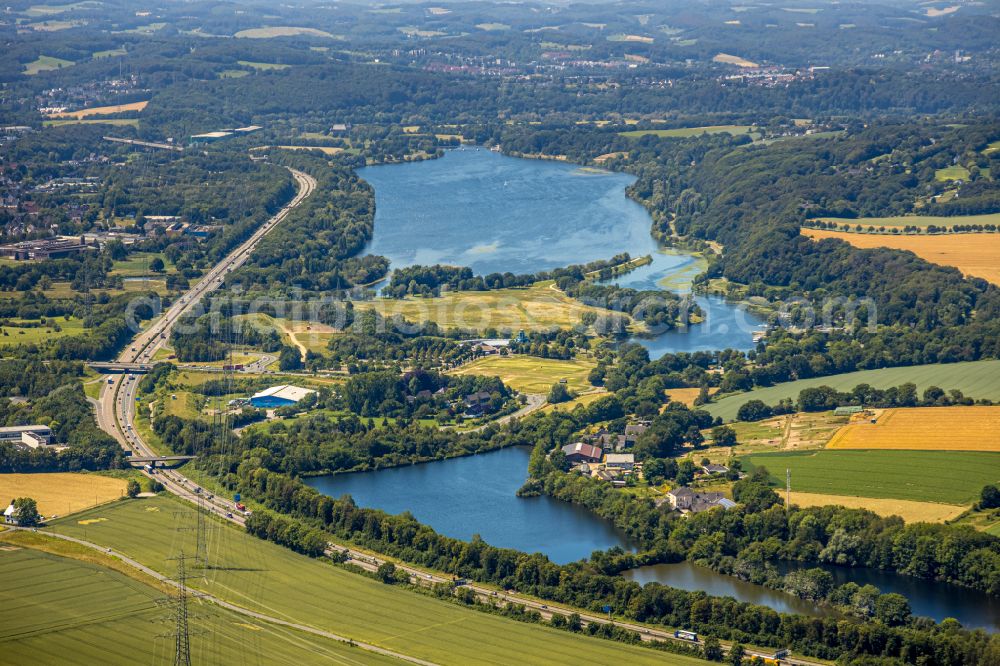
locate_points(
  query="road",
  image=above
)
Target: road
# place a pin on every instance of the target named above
(116, 414)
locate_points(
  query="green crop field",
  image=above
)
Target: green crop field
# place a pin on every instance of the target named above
(45, 63)
(957, 172)
(59, 610)
(264, 66)
(977, 379)
(686, 132)
(265, 577)
(914, 220)
(951, 477)
(12, 335)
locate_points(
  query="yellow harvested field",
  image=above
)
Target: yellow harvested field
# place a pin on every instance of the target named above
(326, 150)
(280, 31)
(100, 110)
(539, 307)
(977, 255)
(727, 59)
(582, 399)
(687, 395)
(63, 492)
(531, 374)
(910, 511)
(924, 429)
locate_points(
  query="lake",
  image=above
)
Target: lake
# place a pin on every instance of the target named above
(460, 497)
(494, 213)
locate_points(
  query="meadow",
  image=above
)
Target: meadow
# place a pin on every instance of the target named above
(263, 576)
(280, 31)
(948, 477)
(24, 332)
(925, 429)
(61, 493)
(100, 110)
(262, 66)
(914, 220)
(977, 379)
(539, 307)
(686, 132)
(44, 63)
(56, 609)
(530, 374)
(977, 255)
(956, 172)
(117, 122)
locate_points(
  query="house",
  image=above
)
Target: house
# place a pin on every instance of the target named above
(39, 435)
(622, 462)
(713, 468)
(685, 500)
(581, 452)
(8, 515)
(477, 403)
(279, 396)
(633, 430)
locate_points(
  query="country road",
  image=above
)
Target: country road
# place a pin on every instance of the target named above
(116, 414)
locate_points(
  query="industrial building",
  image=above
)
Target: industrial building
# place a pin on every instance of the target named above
(32, 436)
(279, 396)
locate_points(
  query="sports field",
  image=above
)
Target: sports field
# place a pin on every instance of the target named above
(58, 610)
(539, 307)
(914, 220)
(61, 493)
(977, 255)
(948, 477)
(977, 379)
(100, 110)
(910, 511)
(530, 374)
(685, 132)
(925, 429)
(266, 577)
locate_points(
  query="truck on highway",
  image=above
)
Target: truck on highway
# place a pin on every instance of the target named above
(149, 469)
(686, 635)
(240, 506)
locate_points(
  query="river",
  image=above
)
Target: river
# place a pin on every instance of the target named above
(494, 213)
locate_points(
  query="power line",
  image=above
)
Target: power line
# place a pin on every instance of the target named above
(182, 637)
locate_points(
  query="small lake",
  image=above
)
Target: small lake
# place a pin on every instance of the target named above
(460, 497)
(494, 213)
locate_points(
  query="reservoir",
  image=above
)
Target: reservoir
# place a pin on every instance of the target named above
(460, 497)
(494, 213)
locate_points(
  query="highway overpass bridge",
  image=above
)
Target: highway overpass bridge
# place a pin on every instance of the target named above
(116, 367)
(157, 461)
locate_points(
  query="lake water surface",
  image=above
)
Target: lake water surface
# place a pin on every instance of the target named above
(494, 213)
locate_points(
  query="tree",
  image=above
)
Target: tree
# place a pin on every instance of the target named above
(156, 265)
(26, 512)
(753, 410)
(559, 393)
(892, 609)
(989, 498)
(386, 573)
(289, 358)
(723, 436)
(132, 489)
(736, 654)
(712, 649)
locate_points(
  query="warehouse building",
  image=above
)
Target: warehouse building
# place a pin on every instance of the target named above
(279, 396)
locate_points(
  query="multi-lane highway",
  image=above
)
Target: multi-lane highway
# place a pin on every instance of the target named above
(116, 414)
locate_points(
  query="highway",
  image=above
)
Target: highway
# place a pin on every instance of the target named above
(116, 414)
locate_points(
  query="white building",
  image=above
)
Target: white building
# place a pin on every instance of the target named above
(30, 435)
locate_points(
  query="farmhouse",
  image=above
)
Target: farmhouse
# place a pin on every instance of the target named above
(8, 515)
(477, 403)
(713, 468)
(623, 462)
(279, 396)
(685, 500)
(581, 452)
(29, 435)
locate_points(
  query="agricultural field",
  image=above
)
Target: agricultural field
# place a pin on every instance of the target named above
(326, 150)
(687, 132)
(728, 59)
(914, 220)
(582, 399)
(947, 477)
(686, 396)
(233, 73)
(798, 431)
(908, 510)
(44, 63)
(640, 39)
(118, 122)
(109, 53)
(263, 576)
(53, 606)
(977, 255)
(976, 379)
(530, 374)
(14, 332)
(137, 265)
(280, 31)
(61, 493)
(100, 110)
(925, 429)
(262, 66)
(539, 307)
(36, 11)
(493, 27)
(957, 172)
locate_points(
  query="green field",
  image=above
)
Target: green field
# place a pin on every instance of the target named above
(263, 66)
(110, 53)
(266, 577)
(55, 609)
(13, 335)
(120, 122)
(45, 63)
(951, 477)
(233, 73)
(686, 132)
(137, 265)
(977, 379)
(914, 220)
(957, 172)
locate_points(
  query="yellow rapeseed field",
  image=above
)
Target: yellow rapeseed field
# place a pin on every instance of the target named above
(61, 493)
(977, 255)
(925, 429)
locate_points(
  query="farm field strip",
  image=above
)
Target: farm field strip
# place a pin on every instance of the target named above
(100, 110)
(686, 132)
(977, 379)
(60, 493)
(268, 578)
(914, 220)
(530, 374)
(908, 510)
(925, 429)
(947, 477)
(977, 255)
